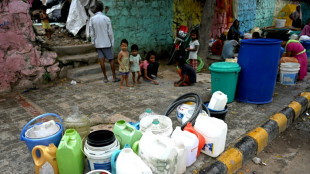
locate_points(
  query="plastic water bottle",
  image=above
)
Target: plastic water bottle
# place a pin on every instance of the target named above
(77, 121)
(147, 112)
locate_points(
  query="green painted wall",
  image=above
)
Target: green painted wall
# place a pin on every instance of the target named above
(264, 13)
(305, 10)
(146, 23)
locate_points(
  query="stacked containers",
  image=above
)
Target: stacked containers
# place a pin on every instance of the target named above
(99, 148)
(224, 77)
(32, 142)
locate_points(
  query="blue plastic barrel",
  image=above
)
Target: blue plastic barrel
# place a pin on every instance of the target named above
(259, 61)
(32, 142)
(306, 44)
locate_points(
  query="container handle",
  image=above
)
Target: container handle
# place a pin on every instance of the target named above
(22, 135)
(113, 160)
(135, 147)
(37, 160)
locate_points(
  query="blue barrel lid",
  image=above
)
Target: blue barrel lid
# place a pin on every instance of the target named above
(261, 41)
(306, 42)
(225, 67)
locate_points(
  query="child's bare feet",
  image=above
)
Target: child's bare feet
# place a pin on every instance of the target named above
(121, 87)
(129, 85)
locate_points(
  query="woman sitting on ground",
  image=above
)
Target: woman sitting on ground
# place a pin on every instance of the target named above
(294, 52)
(234, 32)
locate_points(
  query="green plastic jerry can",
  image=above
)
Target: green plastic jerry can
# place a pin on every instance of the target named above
(126, 133)
(70, 158)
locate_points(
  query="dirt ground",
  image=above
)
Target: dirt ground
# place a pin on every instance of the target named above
(60, 36)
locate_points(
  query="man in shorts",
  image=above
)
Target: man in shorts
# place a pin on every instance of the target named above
(102, 37)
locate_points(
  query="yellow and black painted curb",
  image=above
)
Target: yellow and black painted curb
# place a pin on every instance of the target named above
(256, 140)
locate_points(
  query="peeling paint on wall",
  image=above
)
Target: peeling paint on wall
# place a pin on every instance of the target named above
(246, 14)
(264, 13)
(145, 23)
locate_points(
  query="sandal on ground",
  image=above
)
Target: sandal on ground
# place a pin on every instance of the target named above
(117, 80)
(105, 80)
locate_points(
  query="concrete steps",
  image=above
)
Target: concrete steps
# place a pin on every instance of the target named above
(89, 78)
(74, 49)
(85, 70)
(88, 58)
(81, 62)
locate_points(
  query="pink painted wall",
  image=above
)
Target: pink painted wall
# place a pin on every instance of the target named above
(21, 62)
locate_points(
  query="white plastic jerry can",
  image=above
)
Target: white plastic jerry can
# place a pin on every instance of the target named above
(129, 163)
(218, 101)
(214, 131)
(190, 142)
(159, 153)
(182, 157)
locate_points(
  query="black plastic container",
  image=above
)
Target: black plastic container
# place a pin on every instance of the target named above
(100, 138)
(218, 114)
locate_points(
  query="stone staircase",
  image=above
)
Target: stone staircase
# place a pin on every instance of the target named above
(81, 62)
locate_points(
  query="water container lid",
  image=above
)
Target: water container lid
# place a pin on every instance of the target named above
(261, 41)
(156, 124)
(148, 110)
(100, 138)
(305, 42)
(225, 67)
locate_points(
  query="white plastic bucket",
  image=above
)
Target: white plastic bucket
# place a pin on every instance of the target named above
(280, 23)
(288, 73)
(185, 111)
(247, 36)
(214, 131)
(98, 171)
(100, 157)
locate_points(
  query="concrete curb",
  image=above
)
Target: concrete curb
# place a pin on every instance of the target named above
(256, 140)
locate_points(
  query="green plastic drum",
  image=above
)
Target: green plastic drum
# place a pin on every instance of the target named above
(224, 77)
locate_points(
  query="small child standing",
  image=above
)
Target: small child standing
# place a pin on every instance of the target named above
(123, 60)
(193, 49)
(45, 22)
(135, 60)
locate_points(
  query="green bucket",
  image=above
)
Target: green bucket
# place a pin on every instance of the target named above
(224, 77)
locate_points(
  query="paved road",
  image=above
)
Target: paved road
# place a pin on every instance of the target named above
(289, 153)
(105, 104)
